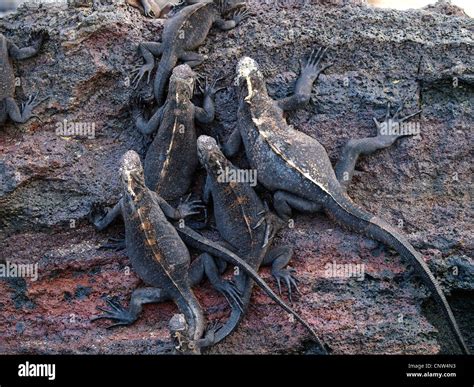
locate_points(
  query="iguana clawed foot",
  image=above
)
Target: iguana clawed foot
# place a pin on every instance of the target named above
(240, 15)
(137, 106)
(139, 72)
(147, 10)
(390, 129)
(116, 313)
(209, 89)
(231, 293)
(287, 276)
(188, 208)
(28, 106)
(311, 67)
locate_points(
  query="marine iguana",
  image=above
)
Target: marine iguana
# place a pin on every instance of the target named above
(171, 159)
(161, 258)
(8, 106)
(182, 34)
(297, 169)
(247, 226)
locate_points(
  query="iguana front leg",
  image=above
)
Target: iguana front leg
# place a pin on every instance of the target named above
(26, 112)
(148, 50)
(144, 126)
(148, 10)
(101, 222)
(354, 148)
(309, 74)
(206, 114)
(184, 210)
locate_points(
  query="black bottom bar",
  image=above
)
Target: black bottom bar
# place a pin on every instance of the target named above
(302, 370)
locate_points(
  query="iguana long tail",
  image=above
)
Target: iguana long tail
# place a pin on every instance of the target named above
(189, 306)
(163, 74)
(196, 240)
(348, 214)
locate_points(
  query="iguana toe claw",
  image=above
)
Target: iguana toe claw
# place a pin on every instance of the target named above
(116, 313)
(411, 116)
(389, 130)
(278, 285)
(115, 305)
(312, 63)
(232, 294)
(287, 276)
(295, 285)
(288, 285)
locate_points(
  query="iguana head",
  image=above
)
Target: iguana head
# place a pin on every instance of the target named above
(210, 155)
(133, 178)
(250, 79)
(182, 83)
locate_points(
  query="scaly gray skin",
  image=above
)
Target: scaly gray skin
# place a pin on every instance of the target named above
(297, 168)
(247, 226)
(171, 159)
(160, 257)
(182, 34)
(8, 52)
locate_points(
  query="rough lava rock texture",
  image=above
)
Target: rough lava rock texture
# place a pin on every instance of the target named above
(50, 182)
